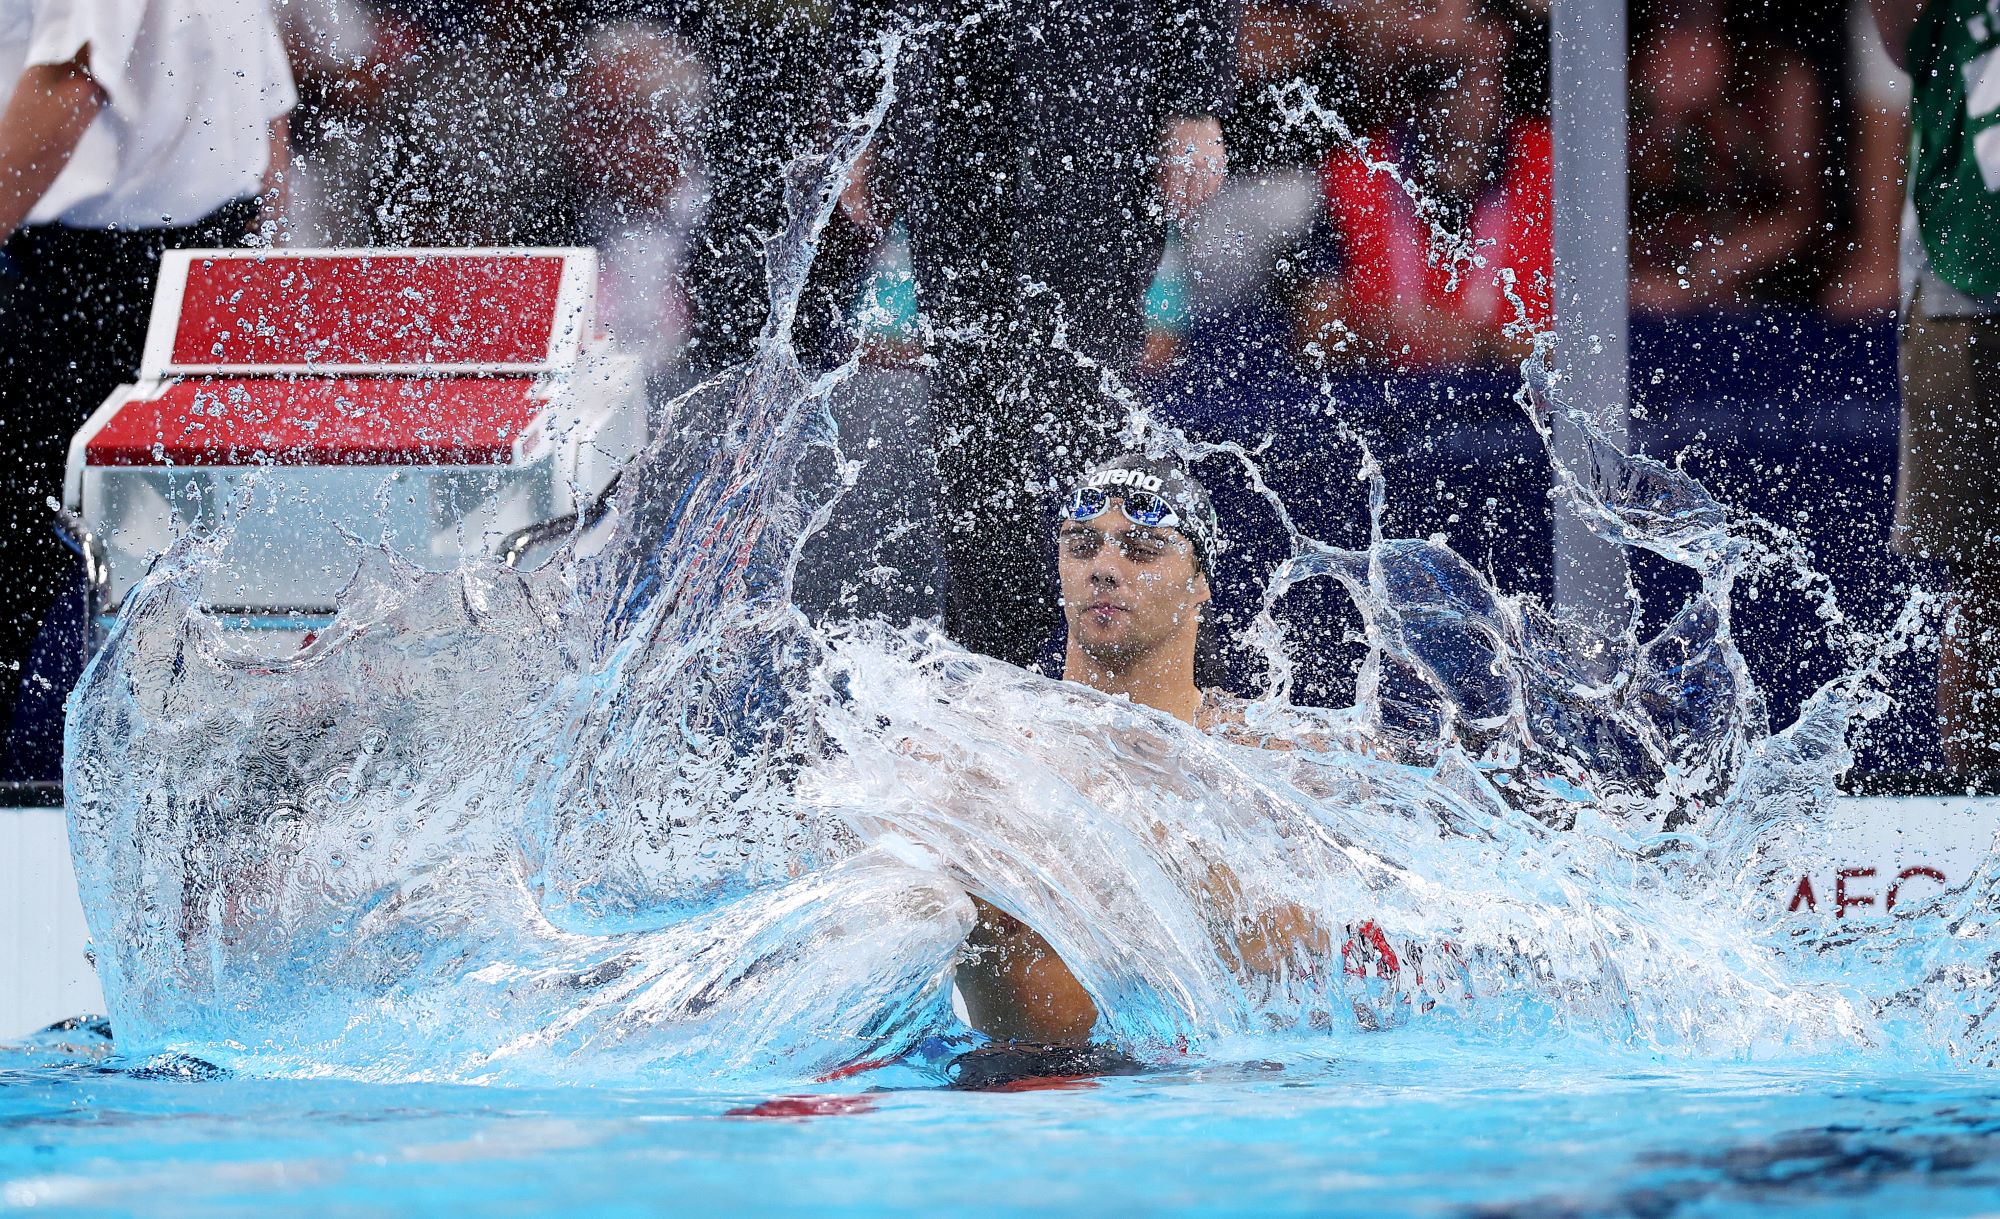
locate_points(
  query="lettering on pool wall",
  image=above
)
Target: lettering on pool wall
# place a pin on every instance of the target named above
(1863, 889)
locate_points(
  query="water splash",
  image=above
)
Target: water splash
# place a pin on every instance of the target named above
(630, 815)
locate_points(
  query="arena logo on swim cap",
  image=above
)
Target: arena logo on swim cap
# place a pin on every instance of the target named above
(1138, 480)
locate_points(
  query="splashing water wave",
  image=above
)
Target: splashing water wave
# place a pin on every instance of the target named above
(630, 815)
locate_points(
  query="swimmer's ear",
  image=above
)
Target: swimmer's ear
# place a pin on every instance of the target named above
(1201, 593)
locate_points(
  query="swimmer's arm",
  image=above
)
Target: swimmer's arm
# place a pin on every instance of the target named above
(50, 108)
(1895, 19)
(1016, 988)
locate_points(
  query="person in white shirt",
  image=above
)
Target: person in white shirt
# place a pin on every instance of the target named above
(130, 127)
(638, 104)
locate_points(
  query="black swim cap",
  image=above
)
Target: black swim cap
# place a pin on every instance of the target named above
(1169, 480)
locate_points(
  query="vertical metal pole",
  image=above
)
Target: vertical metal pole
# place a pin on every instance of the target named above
(1588, 104)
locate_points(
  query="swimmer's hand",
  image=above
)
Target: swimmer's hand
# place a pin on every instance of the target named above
(1285, 934)
(1277, 936)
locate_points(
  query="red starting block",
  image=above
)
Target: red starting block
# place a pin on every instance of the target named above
(442, 402)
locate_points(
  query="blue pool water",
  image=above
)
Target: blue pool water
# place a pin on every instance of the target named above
(1414, 1127)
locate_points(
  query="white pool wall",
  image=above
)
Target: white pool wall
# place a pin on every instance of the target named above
(44, 975)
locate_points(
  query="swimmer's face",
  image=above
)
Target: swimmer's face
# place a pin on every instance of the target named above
(1127, 589)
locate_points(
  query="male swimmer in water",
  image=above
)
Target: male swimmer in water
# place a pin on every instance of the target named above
(1136, 541)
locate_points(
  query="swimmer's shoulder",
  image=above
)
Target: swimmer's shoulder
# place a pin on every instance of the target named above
(1266, 724)
(1227, 716)
(1220, 712)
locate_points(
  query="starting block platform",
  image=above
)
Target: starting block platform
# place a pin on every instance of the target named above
(442, 402)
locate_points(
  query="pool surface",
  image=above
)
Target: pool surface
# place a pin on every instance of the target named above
(1425, 1127)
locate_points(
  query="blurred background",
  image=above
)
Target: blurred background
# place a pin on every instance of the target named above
(1766, 188)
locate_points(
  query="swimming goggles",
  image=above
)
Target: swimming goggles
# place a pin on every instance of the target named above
(1141, 507)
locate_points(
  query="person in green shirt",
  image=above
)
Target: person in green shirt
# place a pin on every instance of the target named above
(1948, 469)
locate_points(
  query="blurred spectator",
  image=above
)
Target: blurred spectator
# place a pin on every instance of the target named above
(1228, 253)
(351, 57)
(775, 71)
(1726, 192)
(131, 128)
(1387, 299)
(1038, 154)
(1948, 472)
(1372, 61)
(437, 123)
(1378, 64)
(1866, 280)
(637, 108)
(768, 65)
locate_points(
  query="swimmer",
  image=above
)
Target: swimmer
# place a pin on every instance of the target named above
(1136, 543)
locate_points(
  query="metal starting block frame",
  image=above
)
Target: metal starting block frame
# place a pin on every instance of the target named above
(441, 401)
